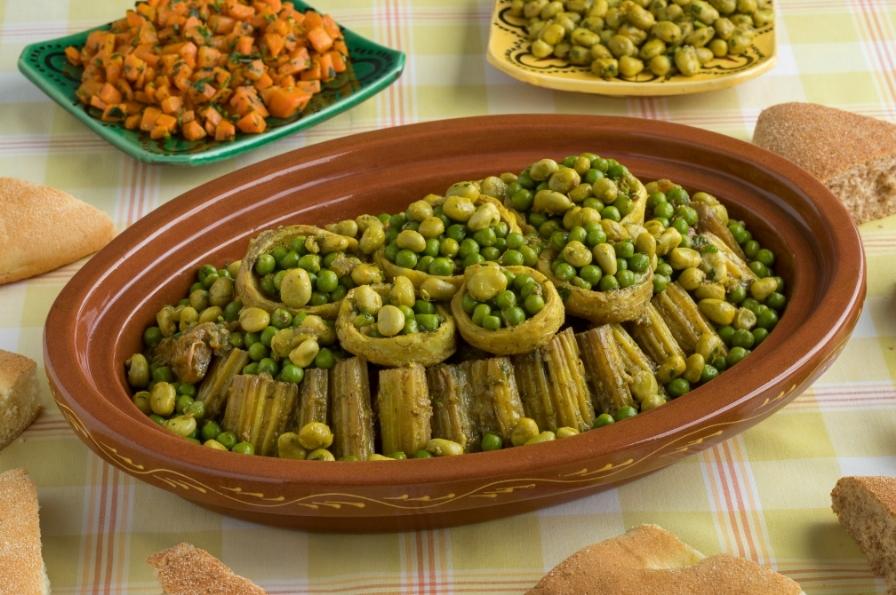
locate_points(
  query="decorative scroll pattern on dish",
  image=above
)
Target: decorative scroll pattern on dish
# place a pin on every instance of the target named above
(177, 481)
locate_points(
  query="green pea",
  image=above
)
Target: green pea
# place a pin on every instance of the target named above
(456, 232)
(759, 335)
(291, 373)
(735, 355)
(428, 322)
(441, 266)
(267, 366)
(530, 256)
(624, 413)
(515, 241)
(422, 454)
(228, 439)
(210, 430)
(513, 258)
(391, 251)
(480, 311)
(742, 338)
(473, 259)
(243, 448)
(491, 441)
(485, 237)
(709, 372)
(533, 304)
(468, 247)
(151, 336)
(265, 264)
(737, 295)
(759, 269)
(196, 409)
(726, 333)
(267, 335)
(513, 315)
(766, 257)
(766, 318)
(751, 248)
(639, 263)
(162, 374)
(325, 359)
(310, 262)
(604, 419)
(625, 278)
(659, 283)
(327, 281)
(491, 253)
(611, 213)
(406, 259)
(250, 369)
(183, 401)
(505, 299)
(564, 271)
(776, 301)
(290, 260)
(141, 400)
(678, 387)
(608, 283)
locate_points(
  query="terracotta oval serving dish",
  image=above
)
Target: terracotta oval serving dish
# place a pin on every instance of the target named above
(98, 319)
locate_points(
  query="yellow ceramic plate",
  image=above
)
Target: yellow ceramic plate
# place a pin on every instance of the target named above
(508, 51)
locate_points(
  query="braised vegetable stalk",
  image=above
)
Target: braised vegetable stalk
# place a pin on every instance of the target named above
(404, 409)
(552, 385)
(213, 391)
(259, 409)
(496, 399)
(452, 405)
(313, 398)
(352, 415)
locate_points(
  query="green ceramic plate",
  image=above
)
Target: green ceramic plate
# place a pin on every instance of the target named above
(372, 68)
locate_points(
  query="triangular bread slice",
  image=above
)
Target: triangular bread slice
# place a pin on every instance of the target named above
(866, 507)
(853, 155)
(649, 559)
(22, 568)
(188, 570)
(42, 228)
(19, 395)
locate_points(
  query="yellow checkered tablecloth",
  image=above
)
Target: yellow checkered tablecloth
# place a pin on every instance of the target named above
(763, 495)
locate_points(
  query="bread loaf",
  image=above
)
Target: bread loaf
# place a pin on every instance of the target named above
(42, 228)
(19, 396)
(188, 570)
(649, 559)
(866, 507)
(853, 155)
(22, 568)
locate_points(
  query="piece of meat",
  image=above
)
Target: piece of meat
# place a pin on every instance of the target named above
(190, 353)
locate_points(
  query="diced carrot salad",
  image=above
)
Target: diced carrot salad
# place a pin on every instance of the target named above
(208, 68)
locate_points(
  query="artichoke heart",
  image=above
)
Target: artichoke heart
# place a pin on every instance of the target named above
(424, 348)
(532, 333)
(441, 287)
(317, 241)
(601, 307)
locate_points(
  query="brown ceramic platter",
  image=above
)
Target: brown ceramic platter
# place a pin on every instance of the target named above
(98, 319)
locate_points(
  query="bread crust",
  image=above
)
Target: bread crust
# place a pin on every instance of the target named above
(185, 569)
(853, 155)
(649, 559)
(19, 396)
(42, 228)
(21, 563)
(866, 507)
